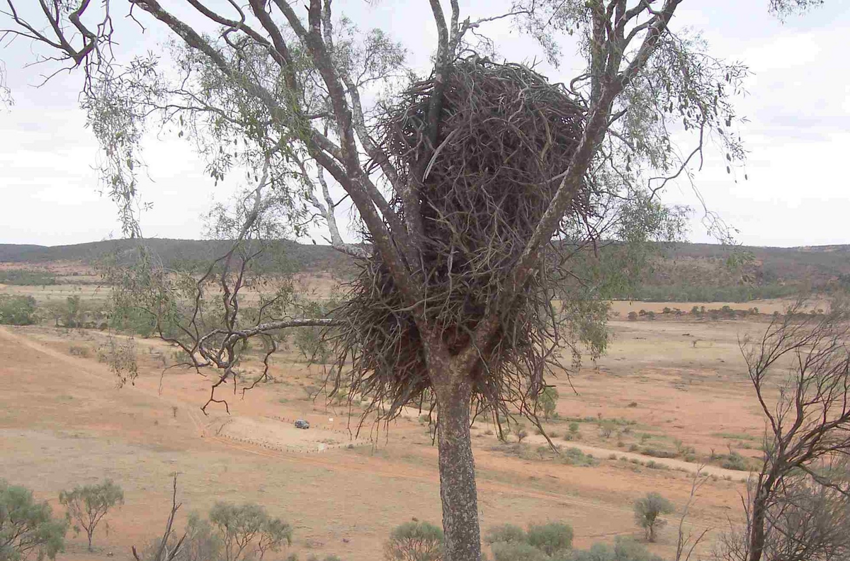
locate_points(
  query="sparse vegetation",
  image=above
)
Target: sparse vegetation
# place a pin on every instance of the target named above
(247, 531)
(27, 527)
(649, 512)
(415, 541)
(88, 505)
(17, 310)
(24, 277)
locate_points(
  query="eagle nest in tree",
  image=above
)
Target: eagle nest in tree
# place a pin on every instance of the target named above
(505, 136)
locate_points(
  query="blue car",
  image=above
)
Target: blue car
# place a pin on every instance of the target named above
(302, 424)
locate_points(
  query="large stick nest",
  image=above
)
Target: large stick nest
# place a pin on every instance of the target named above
(505, 135)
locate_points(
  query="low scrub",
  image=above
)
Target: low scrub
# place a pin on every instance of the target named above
(17, 310)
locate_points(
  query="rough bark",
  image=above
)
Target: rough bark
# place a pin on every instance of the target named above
(758, 521)
(452, 382)
(457, 476)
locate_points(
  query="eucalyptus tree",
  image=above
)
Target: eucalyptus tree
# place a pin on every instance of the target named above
(483, 190)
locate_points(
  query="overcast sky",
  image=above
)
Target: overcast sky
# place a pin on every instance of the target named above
(798, 133)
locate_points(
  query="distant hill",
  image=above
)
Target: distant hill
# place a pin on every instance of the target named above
(308, 258)
(682, 272)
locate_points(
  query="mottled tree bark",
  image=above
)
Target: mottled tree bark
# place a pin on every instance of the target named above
(451, 377)
(457, 475)
(457, 478)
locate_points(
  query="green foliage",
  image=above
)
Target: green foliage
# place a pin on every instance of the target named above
(695, 292)
(542, 542)
(89, 504)
(518, 551)
(649, 511)
(120, 355)
(24, 277)
(17, 310)
(734, 461)
(27, 528)
(625, 549)
(548, 400)
(247, 529)
(551, 538)
(73, 309)
(506, 533)
(202, 542)
(415, 541)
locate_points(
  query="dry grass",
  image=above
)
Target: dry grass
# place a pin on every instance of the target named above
(63, 421)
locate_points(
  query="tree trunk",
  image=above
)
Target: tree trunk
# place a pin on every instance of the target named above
(457, 472)
(451, 381)
(758, 519)
(757, 535)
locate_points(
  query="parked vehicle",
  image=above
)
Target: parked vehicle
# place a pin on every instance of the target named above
(302, 424)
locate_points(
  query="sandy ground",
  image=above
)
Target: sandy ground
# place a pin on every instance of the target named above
(63, 421)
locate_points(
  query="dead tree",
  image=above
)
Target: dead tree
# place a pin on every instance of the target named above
(167, 549)
(802, 491)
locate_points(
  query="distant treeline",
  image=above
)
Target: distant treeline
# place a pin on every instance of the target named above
(23, 277)
(691, 293)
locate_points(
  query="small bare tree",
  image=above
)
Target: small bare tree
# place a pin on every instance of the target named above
(797, 506)
(166, 549)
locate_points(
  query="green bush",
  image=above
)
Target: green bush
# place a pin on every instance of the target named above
(17, 310)
(518, 551)
(248, 529)
(506, 533)
(548, 401)
(735, 461)
(27, 528)
(625, 549)
(551, 538)
(415, 541)
(648, 513)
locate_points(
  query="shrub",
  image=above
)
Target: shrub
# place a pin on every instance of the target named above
(574, 428)
(17, 310)
(551, 538)
(597, 552)
(201, 542)
(241, 526)
(88, 505)
(520, 433)
(79, 351)
(415, 541)
(548, 401)
(648, 512)
(312, 344)
(517, 551)
(735, 461)
(506, 533)
(27, 527)
(633, 316)
(625, 549)
(120, 356)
